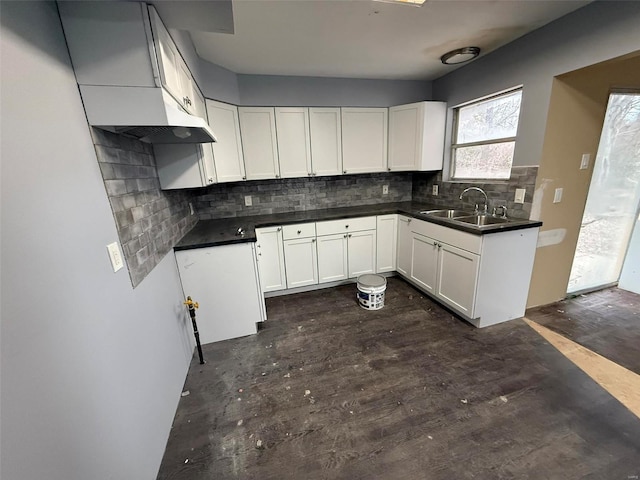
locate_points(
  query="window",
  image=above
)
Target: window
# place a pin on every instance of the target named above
(484, 137)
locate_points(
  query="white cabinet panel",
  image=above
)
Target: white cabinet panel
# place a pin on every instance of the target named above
(416, 136)
(457, 277)
(386, 238)
(259, 144)
(301, 262)
(345, 225)
(362, 253)
(332, 258)
(230, 303)
(364, 140)
(270, 248)
(227, 151)
(294, 146)
(299, 230)
(424, 262)
(404, 246)
(326, 141)
(184, 165)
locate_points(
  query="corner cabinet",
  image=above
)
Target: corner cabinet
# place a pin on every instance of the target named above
(364, 140)
(416, 136)
(259, 142)
(227, 151)
(270, 255)
(387, 241)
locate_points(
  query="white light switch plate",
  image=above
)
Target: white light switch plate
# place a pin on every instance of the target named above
(584, 163)
(247, 201)
(557, 196)
(520, 192)
(116, 256)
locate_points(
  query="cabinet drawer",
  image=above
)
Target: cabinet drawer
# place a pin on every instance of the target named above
(332, 227)
(299, 230)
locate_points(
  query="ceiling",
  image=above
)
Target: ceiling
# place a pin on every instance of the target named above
(364, 38)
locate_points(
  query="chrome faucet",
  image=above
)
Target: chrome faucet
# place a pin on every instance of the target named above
(486, 201)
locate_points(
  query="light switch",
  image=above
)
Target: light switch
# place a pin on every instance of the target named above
(520, 192)
(584, 163)
(115, 255)
(247, 201)
(557, 196)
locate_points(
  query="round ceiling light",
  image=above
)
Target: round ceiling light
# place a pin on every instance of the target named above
(460, 55)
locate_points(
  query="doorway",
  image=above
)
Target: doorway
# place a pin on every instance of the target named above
(613, 199)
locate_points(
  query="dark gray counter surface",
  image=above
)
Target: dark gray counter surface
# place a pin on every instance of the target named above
(210, 233)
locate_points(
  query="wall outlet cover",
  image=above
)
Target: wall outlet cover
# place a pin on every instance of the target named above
(115, 255)
(434, 190)
(191, 210)
(520, 193)
(557, 196)
(385, 189)
(584, 163)
(247, 201)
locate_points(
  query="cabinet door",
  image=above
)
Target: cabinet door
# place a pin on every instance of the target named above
(294, 146)
(387, 238)
(332, 258)
(405, 126)
(326, 141)
(270, 251)
(424, 261)
(186, 87)
(227, 151)
(258, 130)
(181, 165)
(362, 253)
(199, 107)
(208, 164)
(364, 140)
(404, 246)
(457, 278)
(168, 57)
(301, 262)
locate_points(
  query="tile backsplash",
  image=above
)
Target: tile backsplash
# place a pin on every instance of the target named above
(149, 221)
(299, 194)
(499, 193)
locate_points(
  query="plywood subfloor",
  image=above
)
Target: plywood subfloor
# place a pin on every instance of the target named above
(330, 391)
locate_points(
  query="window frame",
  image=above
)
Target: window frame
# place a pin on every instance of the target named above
(454, 134)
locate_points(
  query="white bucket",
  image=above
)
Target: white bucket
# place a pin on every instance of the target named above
(371, 291)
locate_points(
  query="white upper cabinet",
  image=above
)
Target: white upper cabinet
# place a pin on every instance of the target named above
(416, 136)
(259, 144)
(227, 151)
(184, 165)
(364, 140)
(326, 141)
(294, 149)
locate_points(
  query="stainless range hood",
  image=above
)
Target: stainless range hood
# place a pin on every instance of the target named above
(147, 113)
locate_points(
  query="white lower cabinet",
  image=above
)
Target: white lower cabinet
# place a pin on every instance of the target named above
(270, 254)
(361, 253)
(301, 262)
(403, 257)
(332, 258)
(231, 303)
(424, 262)
(457, 278)
(387, 241)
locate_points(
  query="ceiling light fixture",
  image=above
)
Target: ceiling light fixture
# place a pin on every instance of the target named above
(460, 55)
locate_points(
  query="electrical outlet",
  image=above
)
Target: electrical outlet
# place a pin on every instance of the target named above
(385, 189)
(247, 201)
(116, 257)
(191, 210)
(557, 196)
(434, 190)
(520, 192)
(584, 163)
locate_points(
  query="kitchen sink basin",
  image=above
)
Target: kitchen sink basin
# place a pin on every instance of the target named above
(446, 213)
(481, 220)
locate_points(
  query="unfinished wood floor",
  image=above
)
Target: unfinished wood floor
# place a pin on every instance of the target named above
(328, 390)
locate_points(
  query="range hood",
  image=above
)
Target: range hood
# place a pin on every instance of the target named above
(147, 113)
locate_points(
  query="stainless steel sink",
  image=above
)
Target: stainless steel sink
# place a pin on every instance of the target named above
(481, 220)
(446, 213)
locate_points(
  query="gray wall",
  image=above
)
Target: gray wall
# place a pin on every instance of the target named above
(299, 194)
(150, 221)
(329, 92)
(91, 370)
(597, 32)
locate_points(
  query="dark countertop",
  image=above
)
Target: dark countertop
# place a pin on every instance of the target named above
(210, 233)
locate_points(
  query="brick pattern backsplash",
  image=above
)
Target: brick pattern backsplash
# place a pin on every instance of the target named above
(299, 194)
(149, 221)
(499, 193)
